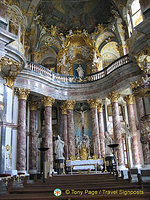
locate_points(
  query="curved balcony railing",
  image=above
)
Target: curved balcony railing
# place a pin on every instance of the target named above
(70, 79)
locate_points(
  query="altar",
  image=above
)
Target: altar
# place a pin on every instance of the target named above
(91, 164)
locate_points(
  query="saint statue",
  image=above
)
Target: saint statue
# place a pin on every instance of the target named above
(59, 148)
(80, 71)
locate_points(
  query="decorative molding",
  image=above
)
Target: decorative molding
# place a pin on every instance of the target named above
(64, 109)
(129, 99)
(34, 105)
(48, 101)
(70, 104)
(22, 93)
(113, 96)
(100, 108)
(93, 102)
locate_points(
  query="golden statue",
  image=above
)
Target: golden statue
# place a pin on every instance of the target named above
(83, 153)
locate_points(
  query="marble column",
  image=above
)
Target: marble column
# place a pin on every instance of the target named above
(114, 96)
(132, 124)
(33, 139)
(21, 131)
(48, 136)
(70, 128)
(64, 129)
(95, 128)
(101, 129)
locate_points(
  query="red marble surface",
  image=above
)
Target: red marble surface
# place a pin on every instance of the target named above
(70, 132)
(48, 140)
(32, 141)
(64, 134)
(117, 132)
(95, 132)
(101, 133)
(21, 136)
(133, 129)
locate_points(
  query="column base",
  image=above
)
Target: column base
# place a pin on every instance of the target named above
(23, 171)
(32, 171)
(122, 167)
(146, 166)
(137, 166)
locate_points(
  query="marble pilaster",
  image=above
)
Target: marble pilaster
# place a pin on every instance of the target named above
(21, 134)
(95, 128)
(117, 127)
(70, 128)
(64, 129)
(132, 124)
(101, 129)
(48, 136)
(33, 139)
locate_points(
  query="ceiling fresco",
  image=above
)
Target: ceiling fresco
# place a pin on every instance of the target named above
(72, 15)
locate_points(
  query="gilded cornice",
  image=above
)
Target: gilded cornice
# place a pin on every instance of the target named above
(22, 93)
(93, 103)
(48, 101)
(129, 99)
(34, 105)
(70, 104)
(100, 108)
(114, 96)
(64, 109)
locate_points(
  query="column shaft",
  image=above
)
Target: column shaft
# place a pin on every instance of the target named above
(21, 136)
(64, 133)
(32, 142)
(70, 132)
(117, 132)
(101, 132)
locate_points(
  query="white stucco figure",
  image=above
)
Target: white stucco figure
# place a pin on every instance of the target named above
(80, 71)
(59, 148)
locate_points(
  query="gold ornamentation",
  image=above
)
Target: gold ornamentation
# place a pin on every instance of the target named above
(34, 105)
(114, 96)
(72, 158)
(10, 81)
(64, 109)
(22, 93)
(95, 157)
(48, 101)
(100, 108)
(93, 102)
(83, 153)
(129, 99)
(70, 104)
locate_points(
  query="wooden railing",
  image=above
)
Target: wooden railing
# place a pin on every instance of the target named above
(70, 79)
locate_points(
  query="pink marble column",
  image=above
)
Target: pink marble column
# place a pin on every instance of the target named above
(117, 127)
(48, 139)
(95, 128)
(70, 129)
(101, 129)
(64, 129)
(21, 131)
(133, 129)
(33, 139)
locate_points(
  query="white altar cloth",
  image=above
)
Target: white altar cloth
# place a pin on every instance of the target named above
(70, 163)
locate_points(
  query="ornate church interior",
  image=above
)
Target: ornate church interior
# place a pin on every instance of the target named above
(74, 95)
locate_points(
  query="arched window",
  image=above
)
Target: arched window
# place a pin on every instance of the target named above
(134, 16)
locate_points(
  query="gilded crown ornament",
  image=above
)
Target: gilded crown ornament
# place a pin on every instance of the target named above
(129, 99)
(113, 96)
(93, 102)
(22, 93)
(70, 104)
(48, 101)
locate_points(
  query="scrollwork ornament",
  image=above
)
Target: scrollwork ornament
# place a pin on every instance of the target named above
(22, 93)
(48, 101)
(70, 104)
(114, 96)
(129, 99)
(93, 102)
(64, 109)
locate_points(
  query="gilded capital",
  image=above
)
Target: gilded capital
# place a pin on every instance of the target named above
(48, 101)
(70, 104)
(100, 108)
(129, 99)
(114, 96)
(34, 105)
(22, 93)
(64, 109)
(10, 81)
(93, 103)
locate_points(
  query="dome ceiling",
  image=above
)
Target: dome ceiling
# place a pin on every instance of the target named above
(72, 15)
